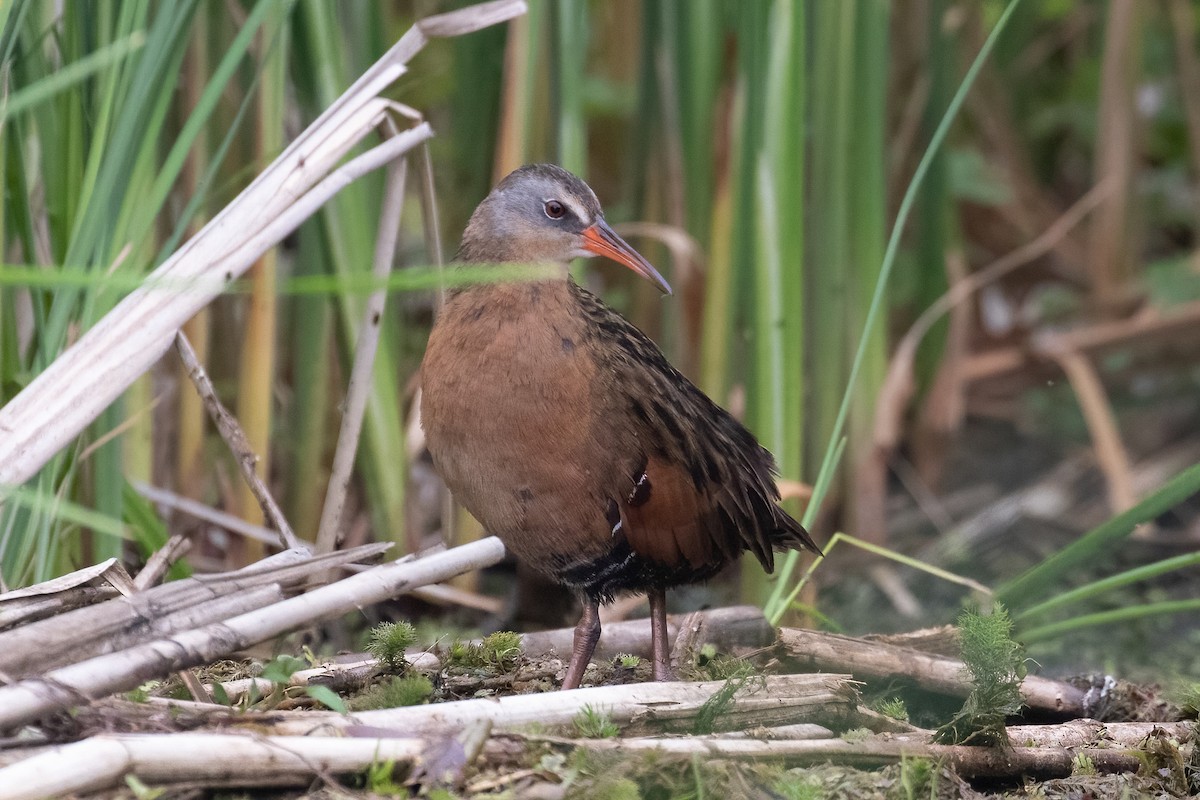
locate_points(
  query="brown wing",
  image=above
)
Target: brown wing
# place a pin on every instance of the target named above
(669, 522)
(691, 483)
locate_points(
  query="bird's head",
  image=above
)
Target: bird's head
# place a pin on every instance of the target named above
(542, 213)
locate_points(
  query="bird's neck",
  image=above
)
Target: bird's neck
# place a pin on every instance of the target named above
(471, 257)
(491, 250)
(487, 307)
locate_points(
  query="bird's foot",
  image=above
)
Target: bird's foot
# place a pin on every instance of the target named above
(658, 636)
(587, 633)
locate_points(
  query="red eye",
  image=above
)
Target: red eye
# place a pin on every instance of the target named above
(554, 209)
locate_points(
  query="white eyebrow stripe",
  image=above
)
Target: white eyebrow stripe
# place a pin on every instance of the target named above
(579, 211)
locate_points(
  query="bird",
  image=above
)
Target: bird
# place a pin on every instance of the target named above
(565, 431)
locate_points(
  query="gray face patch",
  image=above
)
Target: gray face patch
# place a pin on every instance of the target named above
(511, 224)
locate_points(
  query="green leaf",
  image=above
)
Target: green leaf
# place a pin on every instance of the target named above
(327, 697)
(141, 791)
(148, 530)
(281, 668)
(220, 695)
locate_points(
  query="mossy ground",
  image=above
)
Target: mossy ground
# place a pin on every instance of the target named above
(536, 767)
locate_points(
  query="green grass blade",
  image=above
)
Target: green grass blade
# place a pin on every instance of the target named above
(1109, 618)
(70, 75)
(1100, 587)
(570, 51)
(775, 607)
(61, 509)
(172, 165)
(349, 226)
(1098, 542)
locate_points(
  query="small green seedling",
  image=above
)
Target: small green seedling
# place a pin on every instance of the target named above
(142, 693)
(996, 666)
(327, 697)
(593, 724)
(281, 668)
(278, 671)
(918, 778)
(381, 780)
(893, 707)
(141, 791)
(388, 642)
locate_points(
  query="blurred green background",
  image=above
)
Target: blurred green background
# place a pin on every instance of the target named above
(757, 153)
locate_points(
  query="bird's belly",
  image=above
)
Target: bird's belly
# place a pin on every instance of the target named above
(505, 418)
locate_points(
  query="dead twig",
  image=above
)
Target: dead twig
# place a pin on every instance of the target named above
(197, 510)
(728, 629)
(64, 592)
(343, 677)
(235, 437)
(875, 660)
(1179, 323)
(197, 689)
(161, 611)
(1101, 422)
(158, 564)
(359, 388)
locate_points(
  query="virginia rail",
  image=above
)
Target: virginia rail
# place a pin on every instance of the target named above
(564, 430)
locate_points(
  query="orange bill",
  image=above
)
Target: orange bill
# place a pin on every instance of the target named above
(603, 240)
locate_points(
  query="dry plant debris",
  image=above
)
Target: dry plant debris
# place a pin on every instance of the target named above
(482, 719)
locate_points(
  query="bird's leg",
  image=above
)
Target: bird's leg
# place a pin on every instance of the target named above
(587, 633)
(658, 635)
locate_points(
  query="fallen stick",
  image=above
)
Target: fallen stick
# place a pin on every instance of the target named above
(123, 622)
(157, 565)
(636, 708)
(968, 762)
(32, 609)
(197, 510)
(343, 677)
(106, 639)
(725, 628)
(102, 762)
(64, 592)
(828, 651)
(31, 698)
(1111, 453)
(1089, 732)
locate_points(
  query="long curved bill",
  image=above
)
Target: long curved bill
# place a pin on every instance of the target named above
(603, 240)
